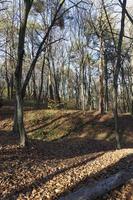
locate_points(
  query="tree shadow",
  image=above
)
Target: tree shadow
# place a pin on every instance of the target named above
(66, 148)
(40, 151)
(65, 124)
(59, 149)
(74, 145)
(52, 121)
(125, 123)
(39, 182)
(7, 111)
(124, 164)
(8, 138)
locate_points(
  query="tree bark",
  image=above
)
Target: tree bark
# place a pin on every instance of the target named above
(18, 75)
(100, 188)
(41, 85)
(116, 73)
(106, 85)
(101, 77)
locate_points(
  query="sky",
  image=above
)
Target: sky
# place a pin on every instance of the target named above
(130, 2)
(130, 6)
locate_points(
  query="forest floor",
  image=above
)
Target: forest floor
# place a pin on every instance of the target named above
(67, 149)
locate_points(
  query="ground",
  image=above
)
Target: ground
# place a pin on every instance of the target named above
(66, 150)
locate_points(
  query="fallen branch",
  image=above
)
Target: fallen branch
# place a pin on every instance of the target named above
(100, 188)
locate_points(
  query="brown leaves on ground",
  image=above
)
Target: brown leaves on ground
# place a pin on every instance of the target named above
(123, 193)
(48, 169)
(39, 172)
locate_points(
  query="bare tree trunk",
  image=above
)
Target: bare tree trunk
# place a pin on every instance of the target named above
(77, 91)
(34, 86)
(131, 86)
(41, 86)
(89, 102)
(12, 86)
(6, 70)
(132, 96)
(19, 116)
(117, 134)
(18, 75)
(125, 94)
(56, 88)
(116, 74)
(101, 77)
(50, 86)
(82, 87)
(106, 85)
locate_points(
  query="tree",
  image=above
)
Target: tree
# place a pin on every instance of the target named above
(116, 72)
(18, 73)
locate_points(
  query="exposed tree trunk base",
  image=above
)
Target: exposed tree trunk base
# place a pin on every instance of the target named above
(118, 140)
(100, 188)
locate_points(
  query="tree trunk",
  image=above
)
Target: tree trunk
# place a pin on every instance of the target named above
(50, 86)
(101, 77)
(116, 72)
(89, 102)
(18, 75)
(12, 86)
(51, 95)
(6, 70)
(117, 134)
(124, 109)
(106, 85)
(34, 86)
(132, 94)
(100, 188)
(131, 85)
(19, 117)
(41, 85)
